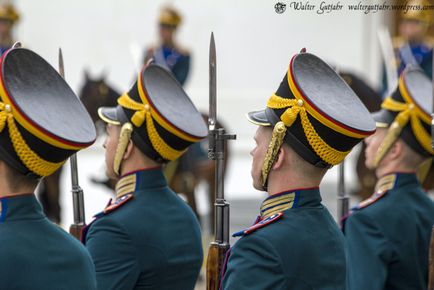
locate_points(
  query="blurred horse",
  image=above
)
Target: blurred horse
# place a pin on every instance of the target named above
(183, 174)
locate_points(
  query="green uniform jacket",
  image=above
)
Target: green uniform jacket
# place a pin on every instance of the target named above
(36, 254)
(148, 238)
(388, 236)
(301, 250)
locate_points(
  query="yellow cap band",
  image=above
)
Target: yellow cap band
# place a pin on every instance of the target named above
(296, 107)
(143, 114)
(29, 158)
(410, 112)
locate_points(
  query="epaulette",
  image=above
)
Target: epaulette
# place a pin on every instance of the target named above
(261, 224)
(118, 203)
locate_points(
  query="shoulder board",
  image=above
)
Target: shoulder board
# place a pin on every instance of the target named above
(261, 224)
(374, 198)
(118, 203)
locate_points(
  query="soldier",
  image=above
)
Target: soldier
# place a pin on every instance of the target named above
(8, 17)
(295, 243)
(42, 123)
(388, 234)
(413, 31)
(147, 238)
(167, 53)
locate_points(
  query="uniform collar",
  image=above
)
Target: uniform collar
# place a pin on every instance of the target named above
(290, 199)
(20, 207)
(393, 180)
(385, 184)
(140, 180)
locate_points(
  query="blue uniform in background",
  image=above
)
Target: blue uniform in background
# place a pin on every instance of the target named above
(388, 236)
(37, 254)
(173, 59)
(148, 238)
(299, 250)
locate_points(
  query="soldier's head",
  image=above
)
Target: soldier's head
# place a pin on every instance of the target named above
(317, 117)
(8, 17)
(415, 22)
(42, 122)
(168, 22)
(155, 120)
(403, 140)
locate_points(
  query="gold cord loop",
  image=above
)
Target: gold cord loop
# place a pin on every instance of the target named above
(295, 108)
(143, 114)
(407, 112)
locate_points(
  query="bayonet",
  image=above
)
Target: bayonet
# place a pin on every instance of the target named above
(77, 192)
(216, 151)
(212, 119)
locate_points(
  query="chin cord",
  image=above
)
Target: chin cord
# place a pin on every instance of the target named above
(272, 151)
(124, 139)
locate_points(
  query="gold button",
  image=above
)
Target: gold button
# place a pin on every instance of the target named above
(411, 106)
(8, 108)
(300, 103)
(147, 107)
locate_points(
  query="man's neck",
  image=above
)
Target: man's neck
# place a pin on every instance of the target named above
(277, 185)
(391, 168)
(7, 193)
(128, 169)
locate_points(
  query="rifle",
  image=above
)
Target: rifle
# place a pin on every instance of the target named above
(216, 151)
(343, 199)
(77, 192)
(431, 244)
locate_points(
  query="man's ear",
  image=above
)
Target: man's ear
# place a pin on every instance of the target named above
(280, 159)
(128, 150)
(396, 150)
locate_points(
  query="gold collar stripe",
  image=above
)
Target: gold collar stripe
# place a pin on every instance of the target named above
(277, 209)
(385, 183)
(296, 108)
(163, 122)
(275, 204)
(126, 180)
(31, 127)
(280, 199)
(318, 115)
(126, 185)
(126, 189)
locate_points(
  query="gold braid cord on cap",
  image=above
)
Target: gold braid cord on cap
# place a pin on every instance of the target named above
(408, 112)
(273, 150)
(29, 158)
(295, 107)
(143, 114)
(124, 139)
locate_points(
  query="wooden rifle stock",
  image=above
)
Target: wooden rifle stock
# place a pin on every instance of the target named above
(75, 231)
(215, 260)
(431, 262)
